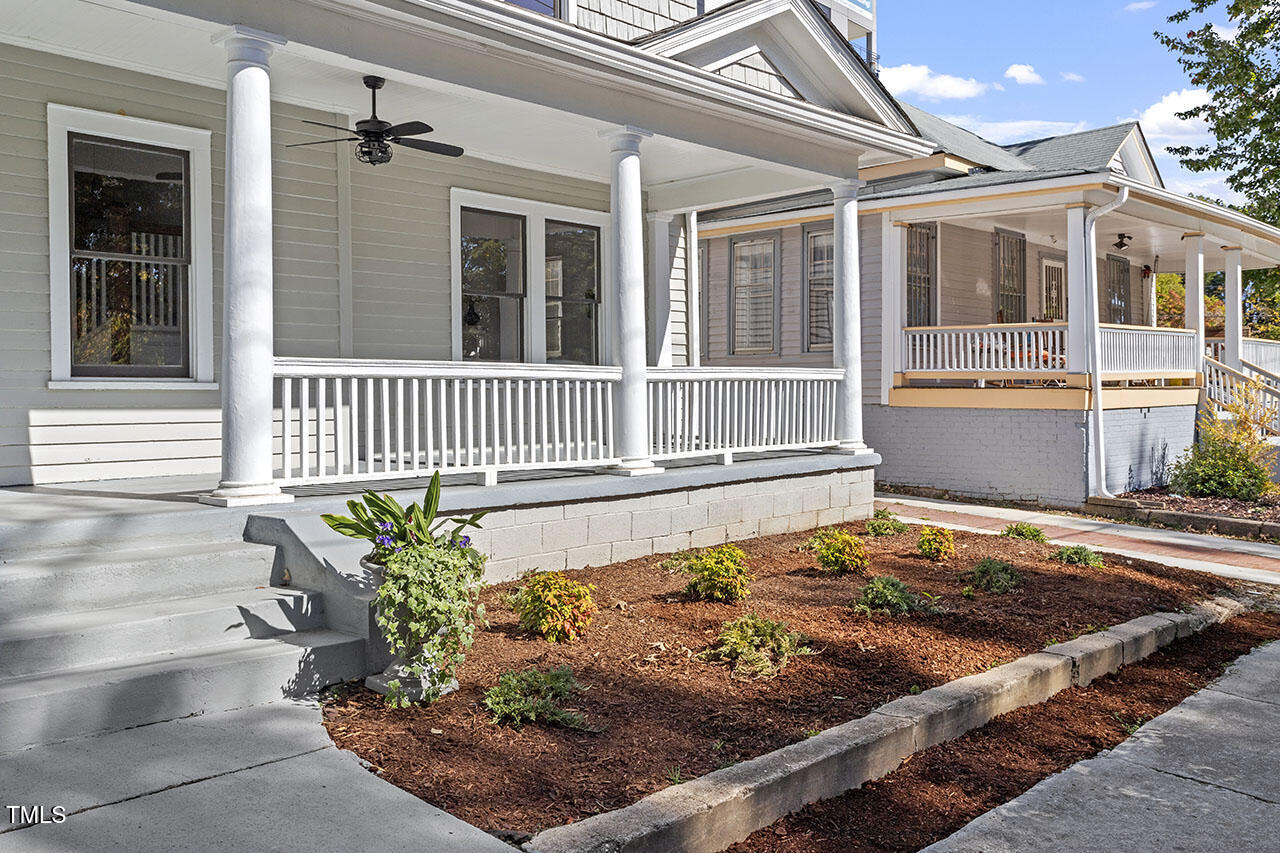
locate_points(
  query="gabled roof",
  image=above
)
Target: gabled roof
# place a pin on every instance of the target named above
(1090, 150)
(798, 41)
(952, 139)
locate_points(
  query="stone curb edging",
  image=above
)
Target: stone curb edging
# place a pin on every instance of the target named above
(1131, 510)
(711, 812)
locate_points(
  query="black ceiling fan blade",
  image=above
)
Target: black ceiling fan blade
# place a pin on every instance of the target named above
(432, 147)
(323, 142)
(331, 126)
(409, 128)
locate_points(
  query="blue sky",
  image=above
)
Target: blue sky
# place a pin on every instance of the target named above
(1023, 69)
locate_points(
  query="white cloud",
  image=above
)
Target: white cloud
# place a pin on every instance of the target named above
(921, 80)
(1211, 184)
(1226, 33)
(1018, 130)
(1140, 6)
(1024, 75)
(1163, 127)
(1072, 77)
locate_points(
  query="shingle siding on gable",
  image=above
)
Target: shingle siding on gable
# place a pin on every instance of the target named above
(755, 70)
(631, 19)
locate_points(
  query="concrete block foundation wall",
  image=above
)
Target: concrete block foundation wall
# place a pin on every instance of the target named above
(574, 535)
(1143, 443)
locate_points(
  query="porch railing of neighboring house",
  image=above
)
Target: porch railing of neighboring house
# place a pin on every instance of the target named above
(349, 419)
(1261, 352)
(999, 348)
(1143, 350)
(708, 410)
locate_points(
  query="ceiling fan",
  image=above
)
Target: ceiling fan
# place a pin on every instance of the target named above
(375, 136)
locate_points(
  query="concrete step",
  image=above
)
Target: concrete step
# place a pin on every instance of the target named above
(102, 698)
(39, 586)
(65, 640)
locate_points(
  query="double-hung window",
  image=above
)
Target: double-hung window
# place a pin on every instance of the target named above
(130, 256)
(1116, 296)
(754, 299)
(1011, 277)
(922, 272)
(819, 271)
(528, 280)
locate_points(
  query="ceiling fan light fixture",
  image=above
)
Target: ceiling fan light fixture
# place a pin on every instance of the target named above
(373, 150)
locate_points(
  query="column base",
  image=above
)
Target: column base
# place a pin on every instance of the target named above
(246, 495)
(631, 468)
(851, 447)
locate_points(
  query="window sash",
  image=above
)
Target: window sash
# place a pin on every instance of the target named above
(1054, 305)
(1011, 277)
(555, 304)
(471, 296)
(922, 260)
(754, 280)
(820, 280)
(1117, 289)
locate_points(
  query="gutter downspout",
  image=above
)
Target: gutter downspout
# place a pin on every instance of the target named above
(1093, 314)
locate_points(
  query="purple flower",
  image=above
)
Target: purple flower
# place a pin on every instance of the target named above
(464, 542)
(385, 525)
(385, 541)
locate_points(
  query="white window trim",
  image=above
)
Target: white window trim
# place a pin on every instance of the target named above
(63, 120)
(536, 214)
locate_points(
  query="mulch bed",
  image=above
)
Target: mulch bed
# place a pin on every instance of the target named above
(665, 716)
(1268, 510)
(940, 790)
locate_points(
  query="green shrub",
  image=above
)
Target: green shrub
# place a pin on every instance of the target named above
(839, 551)
(1232, 458)
(553, 605)
(888, 596)
(883, 513)
(428, 604)
(937, 543)
(1077, 555)
(534, 697)
(718, 574)
(994, 576)
(755, 647)
(1025, 530)
(889, 526)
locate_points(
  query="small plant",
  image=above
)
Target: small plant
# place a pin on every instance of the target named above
(839, 551)
(1025, 530)
(389, 527)
(888, 596)
(428, 607)
(718, 574)
(533, 696)
(1232, 458)
(675, 775)
(915, 690)
(937, 543)
(967, 592)
(554, 606)
(883, 512)
(885, 525)
(994, 576)
(755, 647)
(808, 733)
(1077, 555)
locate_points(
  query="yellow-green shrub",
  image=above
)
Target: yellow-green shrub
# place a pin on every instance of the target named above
(937, 543)
(839, 551)
(717, 574)
(554, 606)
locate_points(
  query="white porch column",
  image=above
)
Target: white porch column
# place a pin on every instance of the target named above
(660, 287)
(1233, 296)
(247, 334)
(1193, 286)
(693, 290)
(1078, 278)
(847, 340)
(631, 410)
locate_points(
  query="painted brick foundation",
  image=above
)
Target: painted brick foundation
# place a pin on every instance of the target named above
(1142, 444)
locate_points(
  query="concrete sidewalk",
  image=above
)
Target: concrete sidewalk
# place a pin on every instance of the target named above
(261, 778)
(1201, 777)
(1258, 562)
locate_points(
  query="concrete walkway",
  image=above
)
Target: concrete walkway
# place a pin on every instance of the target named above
(1241, 559)
(1201, 777)
(265, 778)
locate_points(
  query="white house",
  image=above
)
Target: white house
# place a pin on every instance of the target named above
(691, 269)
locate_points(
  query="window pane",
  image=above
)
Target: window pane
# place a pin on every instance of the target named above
(1117, 293)
(573, 292)
(821, 287)
(493, 286)
(546, 7)
(128, 317)
(753, 298)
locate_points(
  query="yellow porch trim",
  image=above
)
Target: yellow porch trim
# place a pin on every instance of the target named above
(1056, 399)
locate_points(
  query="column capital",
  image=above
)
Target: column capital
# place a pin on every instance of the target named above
(245, 44)
(626, 138)
(846, 187)
(1192, 234)
(659, 216)
(1233, 248)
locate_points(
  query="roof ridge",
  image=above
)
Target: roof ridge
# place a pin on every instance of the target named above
(1130, 123)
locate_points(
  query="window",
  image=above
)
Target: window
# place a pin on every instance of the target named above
(922, 265)
(1116, 296)
(545, 7)
(130, 239)
(1053, 277)
(754, 282)
(573, 292)
(528, 280)
(704, 309)
(819, 271)
(1011, 277)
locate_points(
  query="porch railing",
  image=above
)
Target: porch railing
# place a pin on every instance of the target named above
(1144, 350)
(1264, 353)
(1001, 348)
(1222, 387)
(703, 411)
(362, 420)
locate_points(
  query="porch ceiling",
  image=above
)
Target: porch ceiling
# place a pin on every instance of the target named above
(701, 162)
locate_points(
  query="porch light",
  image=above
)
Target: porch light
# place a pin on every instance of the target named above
(1146, 271)
(374, 151)
(1123, 242)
